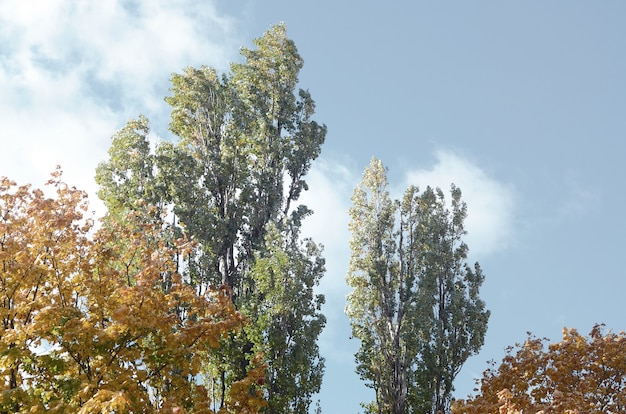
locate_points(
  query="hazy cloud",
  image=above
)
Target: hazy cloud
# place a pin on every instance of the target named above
(575, 198)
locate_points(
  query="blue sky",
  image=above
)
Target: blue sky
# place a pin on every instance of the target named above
(521, 104)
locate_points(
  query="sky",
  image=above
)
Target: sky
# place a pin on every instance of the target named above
(520, 104)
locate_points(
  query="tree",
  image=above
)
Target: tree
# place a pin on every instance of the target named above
(231, 183)
(86, 323)
(414, 305)
(287, 321)
(129, 175)
(581, 375)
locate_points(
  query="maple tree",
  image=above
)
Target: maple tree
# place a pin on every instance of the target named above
(87, 323)
(579, 375)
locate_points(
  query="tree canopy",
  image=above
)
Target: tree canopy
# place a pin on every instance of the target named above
(414, 305)
(87, 325)
(579, 375)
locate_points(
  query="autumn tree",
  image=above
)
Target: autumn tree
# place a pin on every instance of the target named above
(86, 324)
(414, 305)
(231, 182)
(583, 375)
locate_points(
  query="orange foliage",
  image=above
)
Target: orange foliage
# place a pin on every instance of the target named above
(581, 375)
(101, 321)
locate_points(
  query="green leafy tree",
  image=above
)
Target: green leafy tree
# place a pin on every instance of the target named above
(414, 305)
(127, 181)
(231, 183)
(286, 314)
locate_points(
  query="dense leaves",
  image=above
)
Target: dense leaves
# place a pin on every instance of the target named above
(414, 305)
(286, 314)
(582, 375)
(230, 182)
(87, 325)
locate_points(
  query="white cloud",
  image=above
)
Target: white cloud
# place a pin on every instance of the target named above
(73, 72)
(490, 203)
(331, 184)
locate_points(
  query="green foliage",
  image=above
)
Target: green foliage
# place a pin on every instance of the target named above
(414, 305)
(286, 313)
(127, 180)
(230, 183)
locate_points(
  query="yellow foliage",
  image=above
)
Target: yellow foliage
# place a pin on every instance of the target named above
(579, 375)
(87, 324)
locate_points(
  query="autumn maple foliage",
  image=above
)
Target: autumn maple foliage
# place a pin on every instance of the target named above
(582, 375)
(101, 321)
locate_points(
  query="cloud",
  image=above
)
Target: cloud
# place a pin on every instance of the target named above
(73, 72)
(490, 203)
(331, 184)
(575, 199)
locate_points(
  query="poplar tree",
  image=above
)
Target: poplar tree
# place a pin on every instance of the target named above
(246, 140)
(414, 304)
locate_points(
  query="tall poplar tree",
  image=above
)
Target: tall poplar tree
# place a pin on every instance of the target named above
(232, 180)
(414, 305)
